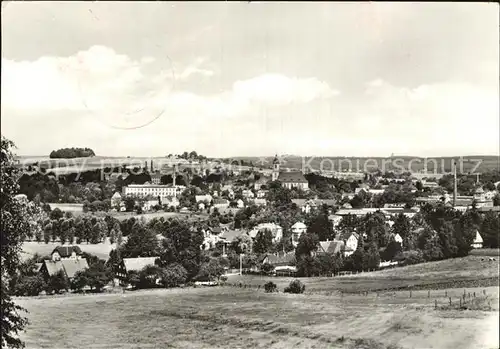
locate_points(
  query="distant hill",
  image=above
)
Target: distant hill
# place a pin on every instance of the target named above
(474, 163)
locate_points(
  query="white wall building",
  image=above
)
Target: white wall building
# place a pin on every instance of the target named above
(154, 190)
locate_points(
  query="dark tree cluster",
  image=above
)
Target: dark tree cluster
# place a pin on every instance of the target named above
(70, 153)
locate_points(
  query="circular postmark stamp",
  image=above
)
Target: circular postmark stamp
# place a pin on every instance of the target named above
(131, 99)
(121, 92)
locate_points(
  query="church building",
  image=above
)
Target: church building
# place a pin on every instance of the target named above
(291, 179)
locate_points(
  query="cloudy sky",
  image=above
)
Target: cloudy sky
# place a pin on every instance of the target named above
(229, 79)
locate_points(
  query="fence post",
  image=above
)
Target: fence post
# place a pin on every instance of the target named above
(460, 302)
(474, 294)
(450, 301)
(435, 304)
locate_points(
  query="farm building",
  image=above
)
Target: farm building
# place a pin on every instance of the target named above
(68, 266)
(134, 264)
(280, 260)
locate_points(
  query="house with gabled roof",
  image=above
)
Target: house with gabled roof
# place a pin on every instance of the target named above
(478, 241)
(330, 247)
(68, 266)
(65, 252)
(350, 240)
(280, 261)
(293, 179)
(134, 264)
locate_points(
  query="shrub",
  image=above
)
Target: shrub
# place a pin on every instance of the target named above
(410, 257)
(295, 287)
(223, 278)
(173, 275)
(270, 287)
(30, 286)
(57, 282)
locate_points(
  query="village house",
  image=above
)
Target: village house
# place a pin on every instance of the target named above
(275, 229)
(134, 264)
(351, 242)
(305, 205)
(478, 241)
(65, 252)
(262, 181)
(260, 202)
(247, 194)
(220, 204)
(282, 262)
(330, 247)
(298, 229)
(212, 236)
(398, 239)
(116, 200)
(170, 202)
(261, 193)
(206, 198)
(66, 259)
(480, 198)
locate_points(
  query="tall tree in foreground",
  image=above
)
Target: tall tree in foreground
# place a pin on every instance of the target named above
(14, 227)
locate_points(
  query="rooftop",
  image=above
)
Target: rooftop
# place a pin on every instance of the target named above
(292, 177)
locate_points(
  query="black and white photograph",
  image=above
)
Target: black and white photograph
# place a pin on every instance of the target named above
(250, 174)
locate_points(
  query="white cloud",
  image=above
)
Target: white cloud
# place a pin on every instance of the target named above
(109, 84)
(101, 87)
(194, 69)
(275, 89)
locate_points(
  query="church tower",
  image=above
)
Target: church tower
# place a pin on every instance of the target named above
(276, 168)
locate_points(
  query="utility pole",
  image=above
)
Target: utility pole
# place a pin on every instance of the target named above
(241, 264)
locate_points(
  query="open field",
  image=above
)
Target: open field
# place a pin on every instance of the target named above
(224, 317)
(469, 271)
(491, 252)
(29, 248)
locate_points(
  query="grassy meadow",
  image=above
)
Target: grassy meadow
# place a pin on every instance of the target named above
(470, 271)
(225, 317)
(237, 317)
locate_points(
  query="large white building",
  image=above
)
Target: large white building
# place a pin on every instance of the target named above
(153, 190)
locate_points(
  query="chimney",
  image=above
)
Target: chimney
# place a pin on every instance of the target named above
(454, 183)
